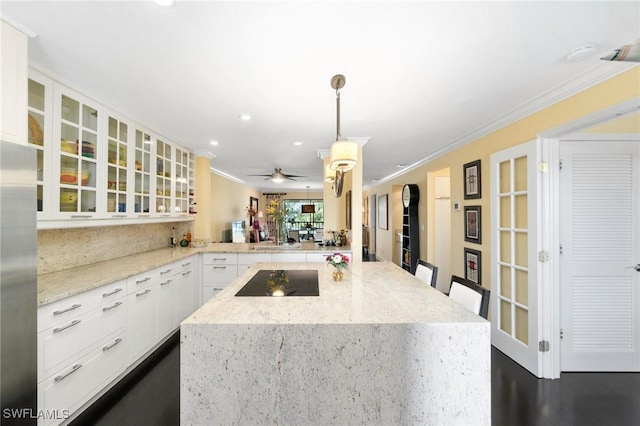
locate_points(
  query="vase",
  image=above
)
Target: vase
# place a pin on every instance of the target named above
(338, 275)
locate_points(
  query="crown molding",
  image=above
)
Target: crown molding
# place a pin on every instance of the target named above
(601, 72)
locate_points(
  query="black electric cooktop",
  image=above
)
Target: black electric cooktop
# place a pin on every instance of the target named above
(281, 283)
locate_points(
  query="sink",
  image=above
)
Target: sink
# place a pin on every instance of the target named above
(294, 246)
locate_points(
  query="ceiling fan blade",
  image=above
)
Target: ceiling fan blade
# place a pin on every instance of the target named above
(290, 176)
(269, 175)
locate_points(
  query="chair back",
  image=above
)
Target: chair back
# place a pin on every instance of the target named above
(472, 296)
(427, 273)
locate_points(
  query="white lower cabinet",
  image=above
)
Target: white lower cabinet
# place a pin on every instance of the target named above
(218, 270)
(187, 294)
(82, 346)
(63, 393)
(166, 307)
(143, 319)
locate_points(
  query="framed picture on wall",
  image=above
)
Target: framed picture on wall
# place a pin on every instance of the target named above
(347, 199)
(472, 224)
(383, 213)
(472, 183)
(253, 206)
(472, 265)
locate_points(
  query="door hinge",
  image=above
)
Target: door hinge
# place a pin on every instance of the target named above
(543, 346)
(560, 165)
(561, 334)
(543, 256)
(561, 249)
(543, 166)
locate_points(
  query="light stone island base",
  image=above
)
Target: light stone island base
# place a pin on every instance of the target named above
(359, 372)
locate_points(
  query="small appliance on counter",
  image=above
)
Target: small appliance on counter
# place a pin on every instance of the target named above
(237, 231)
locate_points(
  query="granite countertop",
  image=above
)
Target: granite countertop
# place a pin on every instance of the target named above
(370, 293)
(58, 285)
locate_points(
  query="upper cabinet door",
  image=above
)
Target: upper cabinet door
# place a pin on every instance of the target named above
(142, 173)
(76, 154)
(182, 182)
(118, 164)
(164, 178)
(39, 130)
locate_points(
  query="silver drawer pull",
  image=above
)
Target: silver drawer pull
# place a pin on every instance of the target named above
(59, 329)
(219, 267)
(73, 370)
(144, 215)
(108, 308)
(81, 216)
(166, 282)
(143, 293)
(186, 264)
(143, 281)
(106, 348)
(118, 215)
(76, 306)
(117, 290)
(219, 258)
(184, 274)
(166, 272)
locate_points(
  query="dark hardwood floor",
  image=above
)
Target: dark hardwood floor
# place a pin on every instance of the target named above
(151, 396)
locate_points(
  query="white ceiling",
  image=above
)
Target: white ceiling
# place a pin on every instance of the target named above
(422, 76)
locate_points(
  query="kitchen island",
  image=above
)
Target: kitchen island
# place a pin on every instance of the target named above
(380, 347)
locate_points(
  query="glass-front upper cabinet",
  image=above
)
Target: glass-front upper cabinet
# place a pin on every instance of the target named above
(76, 162)
(117, 166)
(182, 182)
(142, 173)
(163, 177)
(39, 132)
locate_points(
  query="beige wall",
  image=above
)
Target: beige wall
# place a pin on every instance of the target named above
(229, 201)
(609, 93)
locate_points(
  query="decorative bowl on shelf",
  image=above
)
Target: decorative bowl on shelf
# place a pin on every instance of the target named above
(69, 176)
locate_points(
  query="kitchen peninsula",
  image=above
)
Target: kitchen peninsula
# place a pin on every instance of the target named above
(380, 347)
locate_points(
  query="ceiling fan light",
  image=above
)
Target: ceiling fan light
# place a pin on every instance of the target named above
(277, 178)
(344, 155)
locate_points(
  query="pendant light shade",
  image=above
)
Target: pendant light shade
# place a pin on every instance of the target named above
(344, 155)
(329, 174)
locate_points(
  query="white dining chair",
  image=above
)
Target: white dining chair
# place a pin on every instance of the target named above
(427, 273)
(472, 296)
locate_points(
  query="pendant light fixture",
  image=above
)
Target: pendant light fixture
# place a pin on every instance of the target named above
(344, 154)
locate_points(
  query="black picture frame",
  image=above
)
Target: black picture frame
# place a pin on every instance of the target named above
(253, 205)
(472, 180)
(473, 224)
(473, 265)
(347, 200)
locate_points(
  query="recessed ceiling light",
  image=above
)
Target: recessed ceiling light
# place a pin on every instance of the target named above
(401, 166)
(297, 143)
(165, 3)
(215, 143)
(580, 53)
(245, 117)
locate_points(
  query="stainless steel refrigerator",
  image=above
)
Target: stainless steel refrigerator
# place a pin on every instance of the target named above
(18, 285)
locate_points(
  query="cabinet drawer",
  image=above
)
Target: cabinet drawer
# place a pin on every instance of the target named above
(251, 258)
(210, 291)
(59, 344)
(70, 387)
(111, 292)
(144, 279)
(220, 259)
(289, 257)
(187, 264)
(65, 310)
(213, 274)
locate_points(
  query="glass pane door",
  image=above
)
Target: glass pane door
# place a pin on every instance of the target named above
(163, 177)
(142, 174)
(117, 166)
(36, 126)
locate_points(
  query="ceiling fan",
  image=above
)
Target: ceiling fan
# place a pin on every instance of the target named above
(279, 176)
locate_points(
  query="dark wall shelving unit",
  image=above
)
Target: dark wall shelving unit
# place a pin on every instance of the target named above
(410, 228)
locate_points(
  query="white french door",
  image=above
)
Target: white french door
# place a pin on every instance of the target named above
(514, 253)
(600, 240)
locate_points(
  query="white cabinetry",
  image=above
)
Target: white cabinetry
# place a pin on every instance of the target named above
(218, 270)
(187, 289)
(246, 260)
(95, 164)
(13, 84)
(82, 346)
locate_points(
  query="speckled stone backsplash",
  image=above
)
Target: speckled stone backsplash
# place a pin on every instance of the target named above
(60, 249)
